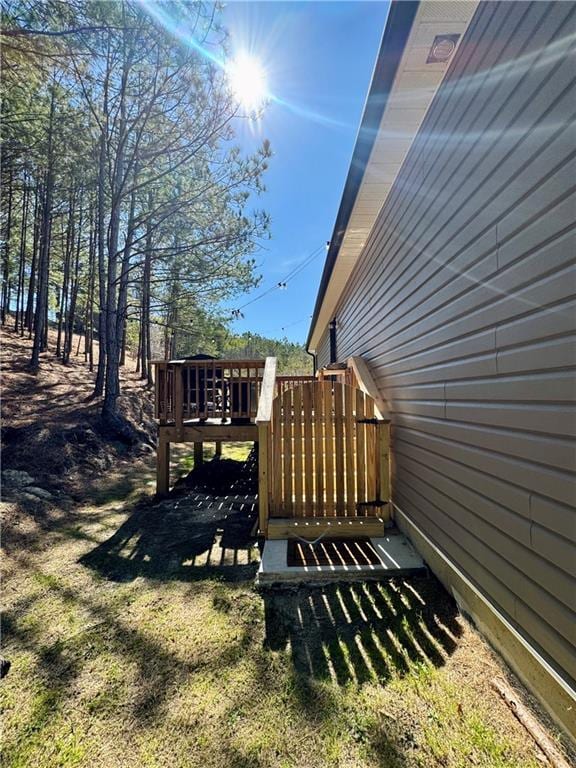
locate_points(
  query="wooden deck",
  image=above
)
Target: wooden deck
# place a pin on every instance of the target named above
(198, 401)
(323, 442)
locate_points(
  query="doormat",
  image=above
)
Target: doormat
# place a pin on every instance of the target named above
(332, 552)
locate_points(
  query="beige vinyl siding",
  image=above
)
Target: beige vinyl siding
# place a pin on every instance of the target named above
(463, 302)
(323, 351)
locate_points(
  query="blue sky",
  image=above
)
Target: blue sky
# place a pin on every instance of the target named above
(318, 58)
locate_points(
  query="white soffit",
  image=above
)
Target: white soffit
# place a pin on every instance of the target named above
(413, 90)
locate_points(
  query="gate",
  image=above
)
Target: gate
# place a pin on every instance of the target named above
(328, 453)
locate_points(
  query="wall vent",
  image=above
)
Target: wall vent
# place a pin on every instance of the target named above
(442, 48)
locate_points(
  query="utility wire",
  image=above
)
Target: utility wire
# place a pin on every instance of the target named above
(282, 283)
(296, 322)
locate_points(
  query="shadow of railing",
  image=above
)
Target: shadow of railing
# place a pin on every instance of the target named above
(204, 528)
(362, 631)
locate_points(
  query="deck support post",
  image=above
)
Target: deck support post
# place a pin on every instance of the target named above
(198, 454)
(218, 450)
(162, 466)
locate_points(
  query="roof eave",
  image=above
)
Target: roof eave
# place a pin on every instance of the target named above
(398, 25)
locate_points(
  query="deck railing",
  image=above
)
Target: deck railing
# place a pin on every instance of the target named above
(188, 390)
(207, 389)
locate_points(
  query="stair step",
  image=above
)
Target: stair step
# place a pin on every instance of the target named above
(312, 527)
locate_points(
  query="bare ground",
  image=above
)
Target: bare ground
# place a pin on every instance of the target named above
(136, 636)
(51, 426)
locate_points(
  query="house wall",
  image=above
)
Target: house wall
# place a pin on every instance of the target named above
(463, 302)
(323, 351)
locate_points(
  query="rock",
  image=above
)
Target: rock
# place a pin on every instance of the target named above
(23, 496)
(97, 462)
(13, 478)
(40, 493)
(4, 666)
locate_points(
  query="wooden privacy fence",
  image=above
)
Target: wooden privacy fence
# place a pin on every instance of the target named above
(324, 451)
(288, 382)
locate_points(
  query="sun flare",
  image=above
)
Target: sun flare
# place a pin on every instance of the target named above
(247, 80)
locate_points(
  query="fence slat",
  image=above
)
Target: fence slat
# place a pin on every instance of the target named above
(307, 404)
(349, 428)
(384, 462)
(298, 479)
(338, 398)
(319, 447)
(287, 449)
(371, 485)
(360, 453)
(276, 507)
(328, 446)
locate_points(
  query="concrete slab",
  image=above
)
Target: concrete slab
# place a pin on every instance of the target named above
(397, 558)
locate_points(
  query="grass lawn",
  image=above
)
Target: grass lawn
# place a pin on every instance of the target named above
(127, 650)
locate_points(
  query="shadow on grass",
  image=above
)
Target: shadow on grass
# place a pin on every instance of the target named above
(202, 530)
(363, 631)
(159, 671)
(342, 635)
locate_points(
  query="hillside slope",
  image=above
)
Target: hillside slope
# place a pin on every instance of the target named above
(51, 427)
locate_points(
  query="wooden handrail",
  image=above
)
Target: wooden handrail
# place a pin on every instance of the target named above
(267, 392)
(225, 362)
(367, 384)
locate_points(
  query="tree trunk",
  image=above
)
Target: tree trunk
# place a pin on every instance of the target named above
(112, 377)
(65, 277)
(29, 320)
(101, 237)
(19, 314)
(124, 274)
(40, 320)
(6, 261)
(146, 277)
(89, 317)
(69, 328)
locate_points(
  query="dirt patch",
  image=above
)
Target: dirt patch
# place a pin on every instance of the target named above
(51, 428)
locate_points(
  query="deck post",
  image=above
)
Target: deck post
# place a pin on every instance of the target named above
(218, 449)
(178, 398)
(162, 466)
(263, 460)
(198, 454)
(263, 419)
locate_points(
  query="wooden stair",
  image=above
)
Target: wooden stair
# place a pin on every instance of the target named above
(328, 527)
